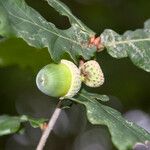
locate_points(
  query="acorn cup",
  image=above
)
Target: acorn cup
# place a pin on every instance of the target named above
(64, 80)
(92, 74)
(59, 80)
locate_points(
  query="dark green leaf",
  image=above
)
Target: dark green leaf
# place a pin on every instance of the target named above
(132, 44)
(28, 24)
(9, 124)
(124, 133)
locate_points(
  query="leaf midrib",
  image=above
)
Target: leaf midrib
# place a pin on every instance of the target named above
(116, 119)
(34, 23)
(59, 35)
(126, 42)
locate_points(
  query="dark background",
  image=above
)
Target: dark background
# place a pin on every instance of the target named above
(127, 85)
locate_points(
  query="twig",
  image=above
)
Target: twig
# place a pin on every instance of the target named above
(49, 128)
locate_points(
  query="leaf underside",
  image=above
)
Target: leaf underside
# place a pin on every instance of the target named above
(132, 44)
(124, 133)
(19, 20)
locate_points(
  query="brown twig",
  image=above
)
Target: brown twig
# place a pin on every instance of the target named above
(50, 127)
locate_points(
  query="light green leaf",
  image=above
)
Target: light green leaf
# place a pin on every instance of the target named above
(65, 11)
(124, 134)
(16, 52)
(10, 125)
(94, 96)
(132, 44)
(5, 28)
(35, 123)
(28, 24)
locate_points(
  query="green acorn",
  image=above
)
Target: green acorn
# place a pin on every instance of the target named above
(92, 74)
(59, 80)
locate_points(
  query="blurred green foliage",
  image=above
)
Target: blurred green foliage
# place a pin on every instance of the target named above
(22, 54)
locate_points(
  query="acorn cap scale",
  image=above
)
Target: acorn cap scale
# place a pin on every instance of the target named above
(76, 78)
